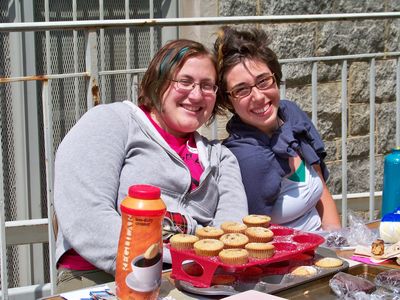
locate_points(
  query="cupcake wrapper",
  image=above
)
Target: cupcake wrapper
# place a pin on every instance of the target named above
(259, 239)
(261, 254)
(234, 260)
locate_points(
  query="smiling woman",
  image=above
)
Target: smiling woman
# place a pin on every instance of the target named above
(280, 153)
(117, 145)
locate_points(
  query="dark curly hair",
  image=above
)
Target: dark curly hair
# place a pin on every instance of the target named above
(233, 46)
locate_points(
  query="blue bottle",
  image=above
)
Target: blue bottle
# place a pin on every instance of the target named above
(391, 182)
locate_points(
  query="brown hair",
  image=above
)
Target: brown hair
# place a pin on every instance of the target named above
(164, 66)
(233, 46)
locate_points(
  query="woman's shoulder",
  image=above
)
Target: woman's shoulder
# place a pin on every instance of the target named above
(290, 106)
(107, 110)
(292, 112)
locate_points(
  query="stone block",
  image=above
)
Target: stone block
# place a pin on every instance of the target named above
(332, 149)
(238, 8)
(290, 7)
(358, 119)
(357, 147)
(393, 36)
(292, 40)
(357, 88)
(350, 37)
(385, 127)
(355, 6)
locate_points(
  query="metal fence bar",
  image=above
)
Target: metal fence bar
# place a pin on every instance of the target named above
(282, 85)
(49, 157)
(344, 142)
(128, 53)
(122, 23)
(75, 50)
(372, 74)
(354, 57)
(398, 102)
(314, 93)
(102, 53)
(3, 244)
(49, 165)
(151, 10)
(142, 70)
(92, 68)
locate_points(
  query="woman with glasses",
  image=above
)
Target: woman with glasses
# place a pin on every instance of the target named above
(280, 153)
(114, 146)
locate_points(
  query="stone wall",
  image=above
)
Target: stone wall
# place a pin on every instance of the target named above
(333, 38)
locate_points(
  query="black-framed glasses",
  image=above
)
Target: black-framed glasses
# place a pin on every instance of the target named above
(262, 83)
(188, 85)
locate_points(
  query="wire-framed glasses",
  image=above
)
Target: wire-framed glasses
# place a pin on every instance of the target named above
(188, 85)
(262, 83)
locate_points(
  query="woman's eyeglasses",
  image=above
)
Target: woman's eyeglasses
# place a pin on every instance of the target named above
(188, 85)
(262, 83)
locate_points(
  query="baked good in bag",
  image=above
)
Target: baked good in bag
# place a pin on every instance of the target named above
(378, 247)
(343, 284)
(389, 279)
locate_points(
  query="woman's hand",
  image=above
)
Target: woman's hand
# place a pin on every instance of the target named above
(173, 223)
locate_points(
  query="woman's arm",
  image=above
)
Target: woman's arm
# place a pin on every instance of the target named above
(87, 169)
(232, 204)
(326, 206)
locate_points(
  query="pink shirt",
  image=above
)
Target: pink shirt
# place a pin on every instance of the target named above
(185, 148)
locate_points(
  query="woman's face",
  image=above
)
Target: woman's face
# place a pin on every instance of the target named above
(260, 107)
(184, 111)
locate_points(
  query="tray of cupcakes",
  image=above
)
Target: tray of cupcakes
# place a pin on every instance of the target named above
(214, 256)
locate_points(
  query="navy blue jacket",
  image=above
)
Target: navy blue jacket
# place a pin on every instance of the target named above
(264, 160)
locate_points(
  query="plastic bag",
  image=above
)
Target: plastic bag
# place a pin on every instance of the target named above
(389, 279)
(357, 233)
(347, 285)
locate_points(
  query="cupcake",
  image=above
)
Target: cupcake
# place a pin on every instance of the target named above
(209, 232)
(183, 241)
(329, 262)
(234, 240)
(208, 247)
(234, 256)
(259, 234)
(257, 220)
(232, 227)
(260, 250)
(304, 271)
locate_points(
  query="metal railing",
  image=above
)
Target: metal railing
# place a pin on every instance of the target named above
(40, 230)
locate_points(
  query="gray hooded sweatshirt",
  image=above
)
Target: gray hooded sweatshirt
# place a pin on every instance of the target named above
(114, 146)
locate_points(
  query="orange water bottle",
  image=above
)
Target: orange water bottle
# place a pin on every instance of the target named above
(139, 257)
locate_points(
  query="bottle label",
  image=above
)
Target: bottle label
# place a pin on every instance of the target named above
(139, 260)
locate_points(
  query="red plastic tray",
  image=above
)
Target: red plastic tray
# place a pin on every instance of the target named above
(287, 241)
